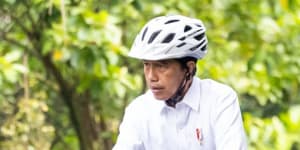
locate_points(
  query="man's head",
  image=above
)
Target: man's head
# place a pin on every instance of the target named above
(170, 47)
(163, 77)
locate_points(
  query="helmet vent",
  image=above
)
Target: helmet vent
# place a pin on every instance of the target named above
(181, 44)
(182, 38)
(169, 38)
(198, 25)
(187, 28)
(171, 21)
(195, 47)
(203, 48)
(144, 33)
(199, 37)
(194, 32)
(153, 36)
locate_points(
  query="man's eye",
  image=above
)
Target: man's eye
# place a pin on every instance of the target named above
(162, 66)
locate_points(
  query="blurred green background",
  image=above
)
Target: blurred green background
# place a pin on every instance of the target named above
(65, 77)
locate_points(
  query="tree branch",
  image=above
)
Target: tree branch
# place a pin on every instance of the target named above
(65, 92)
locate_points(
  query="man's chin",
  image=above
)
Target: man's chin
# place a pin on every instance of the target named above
(161, 98)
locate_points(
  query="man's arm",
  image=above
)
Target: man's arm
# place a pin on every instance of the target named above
(229, 129)
(129, 138)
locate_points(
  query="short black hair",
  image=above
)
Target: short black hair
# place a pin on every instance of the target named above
(183, 62)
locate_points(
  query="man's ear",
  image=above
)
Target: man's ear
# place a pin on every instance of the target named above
(191, 65)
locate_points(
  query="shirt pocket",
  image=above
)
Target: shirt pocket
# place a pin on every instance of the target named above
(193, 142)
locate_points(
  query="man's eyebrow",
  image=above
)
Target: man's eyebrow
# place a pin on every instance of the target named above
(165, 61)
(145, 61)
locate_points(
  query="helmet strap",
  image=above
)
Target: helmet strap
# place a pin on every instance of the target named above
(179, 94)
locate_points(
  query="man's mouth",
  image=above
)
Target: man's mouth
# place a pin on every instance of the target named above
(156, 89)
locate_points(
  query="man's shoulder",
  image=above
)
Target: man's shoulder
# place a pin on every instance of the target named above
(215, 93)
(143, 102)
(215, 87)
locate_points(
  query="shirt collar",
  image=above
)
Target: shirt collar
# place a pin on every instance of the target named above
(192, 97)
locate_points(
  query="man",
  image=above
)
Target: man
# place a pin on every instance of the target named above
(179, 111)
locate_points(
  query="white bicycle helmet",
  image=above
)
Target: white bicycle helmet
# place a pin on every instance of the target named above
(168, 37)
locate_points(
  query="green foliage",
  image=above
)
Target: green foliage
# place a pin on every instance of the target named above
(59, 55)
(27, 128)
(277, 132)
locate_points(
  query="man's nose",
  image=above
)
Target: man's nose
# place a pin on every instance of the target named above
(152, 74)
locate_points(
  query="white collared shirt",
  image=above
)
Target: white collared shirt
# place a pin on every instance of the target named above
(207, 118)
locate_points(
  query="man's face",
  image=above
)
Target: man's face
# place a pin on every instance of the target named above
(163, 77)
